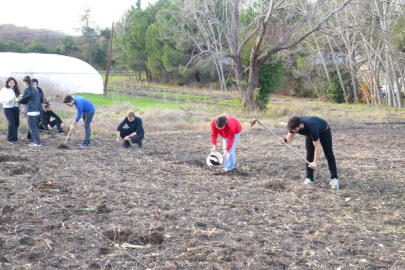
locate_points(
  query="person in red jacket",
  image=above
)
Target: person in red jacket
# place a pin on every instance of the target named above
(229, 128)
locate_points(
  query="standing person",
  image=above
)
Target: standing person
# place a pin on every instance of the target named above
(41, 92)
(41, 98)
(317, 132)
(229, 128)
(32, 100)
(8, 97)
(46, 122)
(84, 108)
(133, 133)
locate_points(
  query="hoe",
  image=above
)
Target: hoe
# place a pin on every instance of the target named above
(253, 122)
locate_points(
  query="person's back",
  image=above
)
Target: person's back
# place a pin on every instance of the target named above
(83, 105)
(32, 100)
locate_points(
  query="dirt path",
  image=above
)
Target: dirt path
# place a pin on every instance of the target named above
(189, 216)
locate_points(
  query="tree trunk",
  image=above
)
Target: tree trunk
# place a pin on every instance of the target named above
(338, 71)
(253, 83)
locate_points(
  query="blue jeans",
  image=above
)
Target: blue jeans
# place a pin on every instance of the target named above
(87, 118)
(230, 158)
(33, 127)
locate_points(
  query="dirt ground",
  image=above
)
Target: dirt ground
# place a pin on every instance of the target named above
(72, 208)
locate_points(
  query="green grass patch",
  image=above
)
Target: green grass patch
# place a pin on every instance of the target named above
(138, 102)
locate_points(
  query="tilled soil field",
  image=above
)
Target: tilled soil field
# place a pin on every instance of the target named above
(74, 208)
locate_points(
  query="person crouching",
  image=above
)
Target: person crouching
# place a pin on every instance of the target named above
(134, 133)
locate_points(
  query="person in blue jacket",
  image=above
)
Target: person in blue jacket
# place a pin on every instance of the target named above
(84, 108)
(134, 133)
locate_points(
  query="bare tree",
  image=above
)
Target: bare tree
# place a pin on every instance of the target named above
(290, 20)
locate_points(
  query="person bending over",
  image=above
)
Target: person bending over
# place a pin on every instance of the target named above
(229, 128)
(84, 108)
(317, 133)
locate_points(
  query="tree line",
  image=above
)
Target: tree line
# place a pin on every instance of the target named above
(91, 46)
(341, 50)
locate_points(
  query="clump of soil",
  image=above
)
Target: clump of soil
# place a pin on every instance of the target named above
(23, 169)
(102, 208)
(63, 146)
(274, 185)
(135, 238)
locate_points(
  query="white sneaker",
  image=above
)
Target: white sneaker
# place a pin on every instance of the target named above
(334, 183)
(34, 145)
(308, 181)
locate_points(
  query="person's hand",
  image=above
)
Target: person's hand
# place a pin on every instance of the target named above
(49, 127)
(72, 126)
(313, 165)
(62, 125)
(24, 114)
(118, 140)
(214, 149)
(10, 101)
(126, 138)
(282, 140)
(224, 155)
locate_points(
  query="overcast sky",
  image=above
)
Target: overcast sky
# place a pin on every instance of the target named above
(63, 15)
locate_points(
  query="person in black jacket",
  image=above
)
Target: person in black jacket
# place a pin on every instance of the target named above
(46, 122)
(32, 100)
(134, 133)
(34, 83)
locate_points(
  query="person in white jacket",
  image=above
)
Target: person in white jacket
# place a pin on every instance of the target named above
(8, 97)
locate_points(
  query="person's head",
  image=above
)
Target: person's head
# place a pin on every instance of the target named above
(295, 124)
(131, 116)
(47, 107)
(11, 83)
(221, 121)
(68, 100)
(27, 81)
(35, 82)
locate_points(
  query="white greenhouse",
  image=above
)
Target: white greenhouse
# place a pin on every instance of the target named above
(55, 73)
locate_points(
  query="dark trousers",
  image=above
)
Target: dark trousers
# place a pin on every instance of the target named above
(34, 131)
(53, 123)
(135, 139)
(326, 142)
(13, 120)
(87, 118)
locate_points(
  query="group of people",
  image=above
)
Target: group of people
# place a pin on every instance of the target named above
(317, 131)
(32, 98)
(38, 111)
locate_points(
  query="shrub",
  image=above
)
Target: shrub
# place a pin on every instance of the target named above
(269, 81)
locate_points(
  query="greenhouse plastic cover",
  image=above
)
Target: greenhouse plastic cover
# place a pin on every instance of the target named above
(63, 74)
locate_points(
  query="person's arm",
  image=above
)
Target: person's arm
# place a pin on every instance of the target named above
(3, 98)
(288, 139)
(317, 153)
(79, 107)
(119, 129)
(54, 115)
(214, 136)
(26, 96)
(139, 127)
